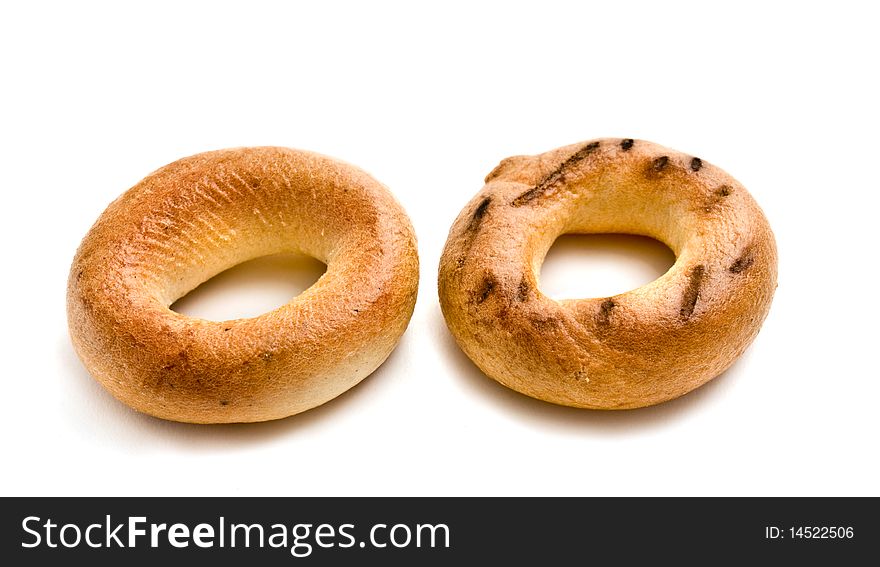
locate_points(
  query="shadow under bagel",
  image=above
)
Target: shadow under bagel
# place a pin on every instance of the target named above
(140, 431)
(565, 418)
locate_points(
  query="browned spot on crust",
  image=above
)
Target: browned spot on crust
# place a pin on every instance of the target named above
(717, 197)
(224, 402)
(529, 195)
(746, 259)
(627, 144)
(472, 228)
(696, 164)
(659, 164)
(692, 292)
(479, 213)
(522, 292)
(556, 177)
(604, 315)
(483, 292)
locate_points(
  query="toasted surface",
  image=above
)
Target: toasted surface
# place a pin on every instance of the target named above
(630, 350)
(200, 215)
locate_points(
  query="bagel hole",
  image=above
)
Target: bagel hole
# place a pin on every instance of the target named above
(251, 288)
(602, 265)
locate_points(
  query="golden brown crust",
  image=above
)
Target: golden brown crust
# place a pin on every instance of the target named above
(203, 214)
(634, 349)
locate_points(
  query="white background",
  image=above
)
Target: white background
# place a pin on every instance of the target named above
(429, 99)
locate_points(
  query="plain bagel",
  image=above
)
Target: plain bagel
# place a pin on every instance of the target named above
(634, 349)
(203, 214)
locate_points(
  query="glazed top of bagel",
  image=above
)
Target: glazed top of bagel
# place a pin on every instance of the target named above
(200, 215)
(634, 348)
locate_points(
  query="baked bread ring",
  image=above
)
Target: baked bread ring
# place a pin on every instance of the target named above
(196, 217)
(634, 349)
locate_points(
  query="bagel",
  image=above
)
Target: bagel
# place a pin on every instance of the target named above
(635, 349)
(200, 215)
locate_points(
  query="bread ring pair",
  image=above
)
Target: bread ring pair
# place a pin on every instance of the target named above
(201, 215)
